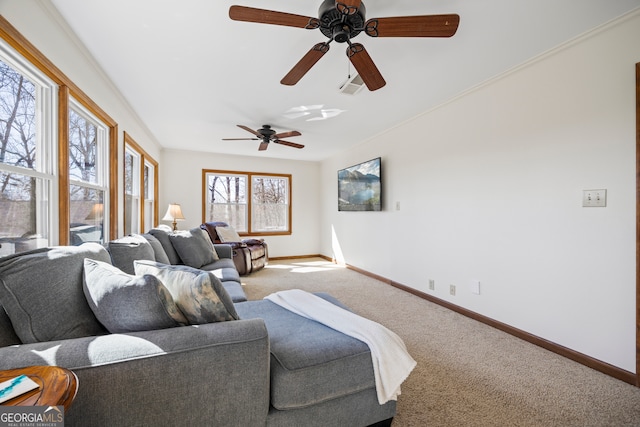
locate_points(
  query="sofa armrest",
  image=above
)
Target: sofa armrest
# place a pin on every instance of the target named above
(223, 250)
(212, 374)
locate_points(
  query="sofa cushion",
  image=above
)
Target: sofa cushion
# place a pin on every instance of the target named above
(127, 303)
(194, 248)
(163, 238)
(41, 291)
(306, 352)
(228, 234)
(198, 294)
(235, 291)
(126, 249)
(225, 270)
(158, 250)
(7, 334)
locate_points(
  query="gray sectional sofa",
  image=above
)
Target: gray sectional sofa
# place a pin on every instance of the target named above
(269, 367)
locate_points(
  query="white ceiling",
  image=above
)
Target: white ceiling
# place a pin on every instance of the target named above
(192, 74)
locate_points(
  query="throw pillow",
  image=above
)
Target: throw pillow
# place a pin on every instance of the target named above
(207, 238)
(41, 291)
(192, 247)
(158, 250)
(198, 294)
(228, 234)
(125, 249)
(163, 238)
(127, 303)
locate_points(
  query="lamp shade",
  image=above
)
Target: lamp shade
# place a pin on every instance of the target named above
(174, 214)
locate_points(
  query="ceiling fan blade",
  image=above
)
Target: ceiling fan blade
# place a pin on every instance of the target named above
(366, 68)
(348, 7)
(300, 69)
(287, 134)
(290, 144)
(263, 146)
(248, 129)
(262, 16)
(240, 139)
(413, 26)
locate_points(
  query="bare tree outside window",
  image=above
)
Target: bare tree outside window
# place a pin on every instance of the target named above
(270, 204)
(17, 148)
(228, 200)
(87, 191)
(83, 147)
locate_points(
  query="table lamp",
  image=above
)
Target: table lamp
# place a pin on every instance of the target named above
(174, 214)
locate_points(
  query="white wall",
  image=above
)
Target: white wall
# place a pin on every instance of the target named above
(181, 182)
(490, 188)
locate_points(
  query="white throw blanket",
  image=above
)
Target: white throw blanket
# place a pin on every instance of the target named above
(391, 361)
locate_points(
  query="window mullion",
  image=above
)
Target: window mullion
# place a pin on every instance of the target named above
(64, 222)
(250, 204)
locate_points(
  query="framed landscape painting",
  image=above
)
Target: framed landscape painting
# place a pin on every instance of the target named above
(360, 187)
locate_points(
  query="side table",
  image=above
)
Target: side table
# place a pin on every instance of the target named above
(58, 386)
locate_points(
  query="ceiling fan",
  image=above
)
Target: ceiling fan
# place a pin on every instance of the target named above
(267, 135)
(341, 21)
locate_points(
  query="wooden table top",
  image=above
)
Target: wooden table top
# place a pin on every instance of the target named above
(58, 386)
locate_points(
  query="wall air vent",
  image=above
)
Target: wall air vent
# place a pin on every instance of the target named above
(353, 85)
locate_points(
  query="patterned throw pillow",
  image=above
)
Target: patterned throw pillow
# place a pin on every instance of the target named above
(198, 294)
(126, 303)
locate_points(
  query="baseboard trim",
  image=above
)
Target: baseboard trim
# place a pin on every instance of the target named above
(598, 365)
(284, 258)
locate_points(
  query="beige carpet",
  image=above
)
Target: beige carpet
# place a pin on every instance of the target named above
(468, 374)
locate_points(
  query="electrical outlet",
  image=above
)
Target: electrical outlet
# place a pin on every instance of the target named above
(594, 198)
(432, 284)
(452, 289)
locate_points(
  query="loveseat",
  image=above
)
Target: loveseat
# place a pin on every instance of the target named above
(261, 366)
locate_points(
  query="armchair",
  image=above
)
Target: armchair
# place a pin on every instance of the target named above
(249, 255)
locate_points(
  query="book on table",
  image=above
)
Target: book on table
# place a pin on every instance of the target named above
(16, 387)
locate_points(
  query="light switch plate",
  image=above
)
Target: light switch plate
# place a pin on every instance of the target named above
(594, 198)
(474, 286)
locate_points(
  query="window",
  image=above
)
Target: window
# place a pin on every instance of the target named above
(132, 208)
(270, 204)
(27, 155)
(252, 203)
(140, 188)
(149, 194)
(88, 176)
(58, 154)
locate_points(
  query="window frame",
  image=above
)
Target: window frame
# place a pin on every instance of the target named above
(249, 196)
